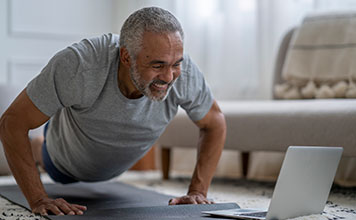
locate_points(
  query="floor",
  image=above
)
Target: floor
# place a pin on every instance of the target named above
(248, 194)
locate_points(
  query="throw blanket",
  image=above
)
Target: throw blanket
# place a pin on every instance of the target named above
(321, 59)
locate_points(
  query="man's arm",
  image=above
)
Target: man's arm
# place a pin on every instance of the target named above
(211, 143)
(15, 124)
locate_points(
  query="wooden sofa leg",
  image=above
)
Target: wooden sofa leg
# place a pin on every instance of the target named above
(166, 160)
(245, 159)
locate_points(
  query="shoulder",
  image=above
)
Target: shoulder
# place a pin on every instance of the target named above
(191, 78)
(189, 68)
(96, 52)
(101, 42)
(190, 73)
(90, 56)
(191, 91)
(78, 73)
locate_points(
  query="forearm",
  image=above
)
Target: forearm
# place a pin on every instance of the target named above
(19, 156)
(210, 146)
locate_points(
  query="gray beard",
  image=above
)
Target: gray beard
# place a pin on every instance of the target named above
(144, 87)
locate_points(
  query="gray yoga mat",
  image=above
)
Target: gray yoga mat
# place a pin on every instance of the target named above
(109, 200)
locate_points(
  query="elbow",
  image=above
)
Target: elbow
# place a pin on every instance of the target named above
(222, 124)
(216, 126)
(219, 123)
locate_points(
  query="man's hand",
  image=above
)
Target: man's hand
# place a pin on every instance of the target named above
(191, 198)
(15, 123)
(57, 207)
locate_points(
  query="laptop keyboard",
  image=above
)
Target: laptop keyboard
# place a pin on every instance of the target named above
(255, 214)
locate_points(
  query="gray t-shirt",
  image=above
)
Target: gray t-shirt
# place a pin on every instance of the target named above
(96, 133)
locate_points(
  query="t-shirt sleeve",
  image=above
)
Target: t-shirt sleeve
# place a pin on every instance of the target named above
(198, 96)
(57, 86)
(75, 76)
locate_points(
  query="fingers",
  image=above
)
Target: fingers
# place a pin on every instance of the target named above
(173, 201)
(81, 207)
(64, 207)
(190, 199)
(70, 209)
(55, 210)
(182, 200)
(202, 201)
(45, 209)
(42, 212)
(58, 207)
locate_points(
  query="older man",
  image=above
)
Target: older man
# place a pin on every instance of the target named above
(106, 100)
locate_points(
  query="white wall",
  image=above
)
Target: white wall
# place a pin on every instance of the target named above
(31, 32)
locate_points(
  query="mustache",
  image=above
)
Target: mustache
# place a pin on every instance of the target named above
(160, 82)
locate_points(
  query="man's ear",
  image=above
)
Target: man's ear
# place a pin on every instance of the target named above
(125, 57)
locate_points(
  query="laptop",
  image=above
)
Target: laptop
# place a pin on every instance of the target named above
(302, 188)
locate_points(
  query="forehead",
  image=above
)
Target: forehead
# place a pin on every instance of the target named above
(163, 46)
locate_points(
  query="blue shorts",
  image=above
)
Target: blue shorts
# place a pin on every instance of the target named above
(52, 171)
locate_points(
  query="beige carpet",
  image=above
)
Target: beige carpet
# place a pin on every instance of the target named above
(248, 194)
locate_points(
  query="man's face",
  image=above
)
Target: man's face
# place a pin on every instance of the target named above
(157, 65)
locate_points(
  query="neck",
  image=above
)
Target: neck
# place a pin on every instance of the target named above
(125, 84)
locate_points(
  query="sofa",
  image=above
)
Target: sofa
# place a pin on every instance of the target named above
(273, 125)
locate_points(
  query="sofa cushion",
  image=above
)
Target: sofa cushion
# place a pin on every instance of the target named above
(274, 125)
(320, 59)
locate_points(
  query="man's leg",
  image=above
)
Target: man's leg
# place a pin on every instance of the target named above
(41, 156)
(36, 144)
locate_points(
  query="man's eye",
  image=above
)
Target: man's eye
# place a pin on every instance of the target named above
(157, 66)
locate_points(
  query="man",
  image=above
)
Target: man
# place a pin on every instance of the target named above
(107, 100)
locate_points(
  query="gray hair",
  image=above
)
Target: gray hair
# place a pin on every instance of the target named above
(152, 19)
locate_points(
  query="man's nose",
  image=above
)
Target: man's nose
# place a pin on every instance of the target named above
(167, 75)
